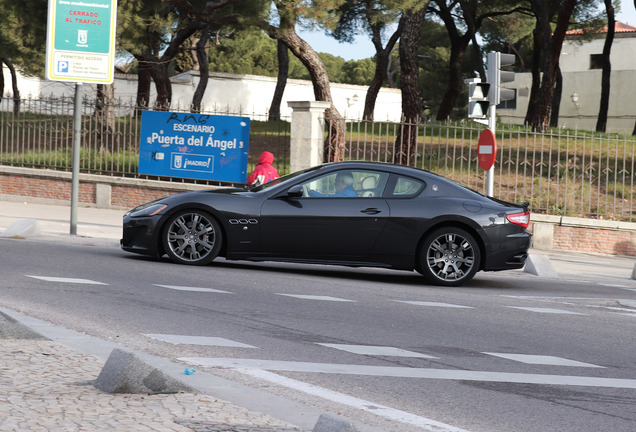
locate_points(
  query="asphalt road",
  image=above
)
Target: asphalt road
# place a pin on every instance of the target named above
(509, 351)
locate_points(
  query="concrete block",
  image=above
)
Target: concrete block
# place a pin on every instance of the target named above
(103, 193)
(125, 373)
(12, 329)
(23, 228)
(330, 424)
(539, 265)
(542, 235)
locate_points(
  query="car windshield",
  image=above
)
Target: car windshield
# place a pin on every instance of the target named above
(282, 179)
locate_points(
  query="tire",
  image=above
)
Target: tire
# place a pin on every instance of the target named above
(192, 237)
(449, 256)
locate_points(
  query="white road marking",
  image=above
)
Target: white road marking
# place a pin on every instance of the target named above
(543, 360)
(546, 310)
(195, 289)
(316, 297)
(405, 372)
(434, 304)
(627, 302)
(198, 340)
(379, 410)
(615, 285)
(67, 280)
(549, 297)
(376, 350)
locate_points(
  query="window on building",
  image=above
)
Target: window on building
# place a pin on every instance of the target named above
(596, 61)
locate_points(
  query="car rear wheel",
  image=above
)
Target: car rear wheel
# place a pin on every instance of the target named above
(450, 256)
(192, 237)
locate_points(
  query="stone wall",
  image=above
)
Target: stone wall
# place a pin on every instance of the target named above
(94, 190)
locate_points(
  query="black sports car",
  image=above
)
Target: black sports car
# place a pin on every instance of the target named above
(347, 213)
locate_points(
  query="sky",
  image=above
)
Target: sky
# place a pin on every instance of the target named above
(363, 48)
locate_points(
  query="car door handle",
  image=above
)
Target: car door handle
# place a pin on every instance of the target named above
(371, 211)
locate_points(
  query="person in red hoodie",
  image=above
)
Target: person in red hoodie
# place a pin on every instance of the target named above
(264, 171)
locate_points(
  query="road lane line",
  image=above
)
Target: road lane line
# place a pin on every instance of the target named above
(194, 289)
(316, 297)
(67, 280)
(546, 310)
(434, 304)
(543, 360)
(376, 350)
(405, 372)
(198, 340)
(364, 405)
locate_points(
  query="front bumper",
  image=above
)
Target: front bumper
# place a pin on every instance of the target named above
(139, 236)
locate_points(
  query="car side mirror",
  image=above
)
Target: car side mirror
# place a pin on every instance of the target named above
(295, 191)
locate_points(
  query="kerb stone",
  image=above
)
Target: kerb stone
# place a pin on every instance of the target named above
(126, 373)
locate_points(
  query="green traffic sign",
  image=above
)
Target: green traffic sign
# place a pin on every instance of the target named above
(83, 26)
(81, 40)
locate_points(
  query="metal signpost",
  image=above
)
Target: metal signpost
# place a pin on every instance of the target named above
(80, 47)
(196, 146)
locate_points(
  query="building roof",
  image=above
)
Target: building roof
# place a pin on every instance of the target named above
(620, 27)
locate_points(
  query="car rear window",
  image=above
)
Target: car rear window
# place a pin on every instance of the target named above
(407, 186)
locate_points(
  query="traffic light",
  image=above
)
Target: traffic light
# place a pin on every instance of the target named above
(478, 100)
(496, 77)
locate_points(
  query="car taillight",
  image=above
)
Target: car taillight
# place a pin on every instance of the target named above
(521, 219)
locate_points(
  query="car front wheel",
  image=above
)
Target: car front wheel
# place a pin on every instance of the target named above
(450, 256)
(192, 237)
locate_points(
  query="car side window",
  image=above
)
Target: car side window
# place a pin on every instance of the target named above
(347, 184)
(407, 187)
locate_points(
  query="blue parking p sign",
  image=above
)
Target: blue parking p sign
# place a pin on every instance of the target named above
(195, 146)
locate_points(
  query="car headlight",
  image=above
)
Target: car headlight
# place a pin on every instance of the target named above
(149, 209)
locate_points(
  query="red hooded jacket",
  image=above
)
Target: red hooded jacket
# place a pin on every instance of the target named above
(264, 171)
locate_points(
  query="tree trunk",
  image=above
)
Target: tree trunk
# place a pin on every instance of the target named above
(601, 122)
(158, 66)
(455, 78)
(406, 142)
(379, 76)
(281, 82)
(204, 69)
(382, 56)
(2, 60)
(159, 72)
(553, 47)
(479, 54)
(143, 86)
(14, 86)
(536, 79)
(556, 99)
(335, 142)
(105, 114)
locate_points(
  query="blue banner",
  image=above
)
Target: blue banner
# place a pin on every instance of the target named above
(196, 146)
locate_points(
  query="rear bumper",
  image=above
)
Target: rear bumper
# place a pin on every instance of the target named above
(509, 255)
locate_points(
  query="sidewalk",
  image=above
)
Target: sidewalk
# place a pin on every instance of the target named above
(46, 387)
(47, 382)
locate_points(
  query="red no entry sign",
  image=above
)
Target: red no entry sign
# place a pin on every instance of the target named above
(486, 149)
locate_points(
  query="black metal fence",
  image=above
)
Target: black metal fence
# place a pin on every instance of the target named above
(564, 172)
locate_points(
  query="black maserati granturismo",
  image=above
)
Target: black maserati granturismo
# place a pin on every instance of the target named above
(361, 214)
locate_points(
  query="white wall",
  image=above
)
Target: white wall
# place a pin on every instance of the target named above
(584, 114)
(575, 55)
(236, 94)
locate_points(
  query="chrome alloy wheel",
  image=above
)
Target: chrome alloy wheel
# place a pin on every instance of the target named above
(452, 256)
(192, 237)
